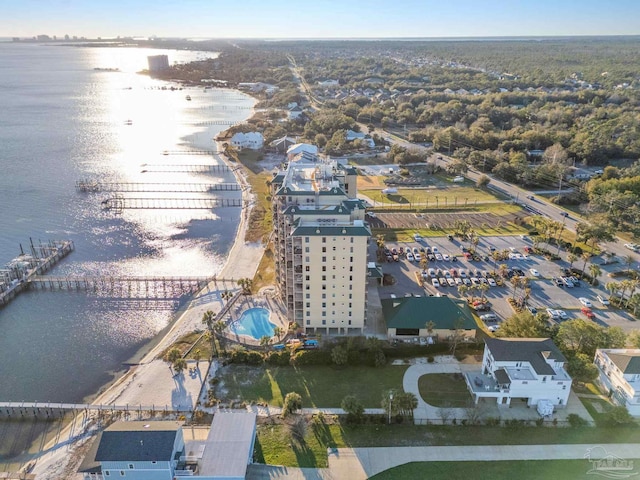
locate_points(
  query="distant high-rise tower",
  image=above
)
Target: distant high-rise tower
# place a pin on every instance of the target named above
(157, 63)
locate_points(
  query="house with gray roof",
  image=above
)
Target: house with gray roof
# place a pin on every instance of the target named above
(619, 370)
(530, 370)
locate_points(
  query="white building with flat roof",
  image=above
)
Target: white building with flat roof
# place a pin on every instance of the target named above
(321, 243)
(528, 369)
(619, 370)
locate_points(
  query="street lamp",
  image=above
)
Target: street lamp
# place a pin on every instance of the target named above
(390, 405)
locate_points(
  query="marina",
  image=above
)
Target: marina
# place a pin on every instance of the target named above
(17, 274)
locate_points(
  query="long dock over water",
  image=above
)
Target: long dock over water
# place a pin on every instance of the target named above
(94, 186)
(119, 202)
(10, 409)
(17, 274)
(132, 287)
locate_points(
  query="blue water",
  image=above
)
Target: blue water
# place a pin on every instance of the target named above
(62, 121)
(255, 323)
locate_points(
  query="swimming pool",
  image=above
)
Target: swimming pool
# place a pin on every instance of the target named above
(255, 323)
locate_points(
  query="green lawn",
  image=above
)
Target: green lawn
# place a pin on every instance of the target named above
(444, 390)
(274, 444)
(319, 386)
(451, 197)
(522, 470)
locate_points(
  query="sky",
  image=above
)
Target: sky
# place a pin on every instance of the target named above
(318, 18)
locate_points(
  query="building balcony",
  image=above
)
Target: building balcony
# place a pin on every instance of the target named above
(484, 385)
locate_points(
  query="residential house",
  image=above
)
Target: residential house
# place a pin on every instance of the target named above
(250, 140)
(141, 450)
(619, 370)
(407, 317)
(526, 369)
(294, 112)
(294, 150)
(281, 145)
(350, 136)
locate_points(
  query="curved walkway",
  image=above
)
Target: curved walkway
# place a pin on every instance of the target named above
(410, 384)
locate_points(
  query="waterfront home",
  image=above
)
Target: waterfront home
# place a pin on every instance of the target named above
(250, 140)
(619, 370)
(294, 150)
(524, 369)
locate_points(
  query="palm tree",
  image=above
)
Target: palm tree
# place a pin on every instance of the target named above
(628, 260)
(430, 325)
(218, 328)
(612, 288)
(294, 327)
(516, 282)
(463, 290)
(197, 355)
(278, 332)
(586, 257)
(209, 319)
(226, 295)
(572, 257)
(634, 302)
(246, 284)
(482, 288)
(503, 269)
(265, 340)
(594, 270)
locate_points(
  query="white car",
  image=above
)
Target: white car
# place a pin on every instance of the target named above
(492, 282)
(603, 300)
(585, 301)
(435, 282)
(553, 314)
(488, 317)
(493, 328)
(466, 281)
(451, 282)
(410, 257)
(438, 257)
(417, 237)
(534, 272)
(432, 273)
(458, 280)
(417, 257)
(631, 246)
(446, 257)
(434, 249)
(415, 251)
(563, 315)
(462, 273)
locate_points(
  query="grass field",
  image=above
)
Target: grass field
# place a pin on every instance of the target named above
(458, 196)
(522, 470)
(444, 390)
(275, 445)
(261, 219)
(319, 386)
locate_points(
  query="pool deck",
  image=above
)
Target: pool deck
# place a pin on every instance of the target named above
(245, 302)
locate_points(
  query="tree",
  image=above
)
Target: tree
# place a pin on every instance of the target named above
(586, 256)
(524, 325)
(594, 271)
(179, 365)
(265, 340)
(209, 318)
(457, 336)
(613, 288)
(581, 336)
(581, 368)
(218, 328)
(628, 261)
(430, 325)
(278, 332)
(292, 403)
(483, 288)
(634, 338)
(618, 417)
(339, 355)
(406, 402)
(246, 284)
(197, 355)
(353, 408)
(483, 181)
(172, 355)
(572, 257)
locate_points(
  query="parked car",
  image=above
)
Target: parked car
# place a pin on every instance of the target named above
(492, 282)
(575, 280)
(417, 257)
(466, 281)
(446, 257)
(563, 314)
(451, 282)
(458, 280)
(558, 281)
(482, 307)
(632, 246)
(493, 328)
(438, 257)
(488, 317)
(435, 282)
(417, 237)
(585, 301)
(534, 272)
(588, 312)
(531, 309)
(553, 314)
(462, 273)
(603, 300)
(410, 257)
(567, 282)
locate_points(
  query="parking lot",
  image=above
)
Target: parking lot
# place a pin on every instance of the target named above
(544, 291)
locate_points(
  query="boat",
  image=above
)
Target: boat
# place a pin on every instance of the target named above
(103, 69)
(128, 122)
(188, 97)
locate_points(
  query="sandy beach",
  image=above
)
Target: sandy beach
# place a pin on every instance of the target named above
(151, 382)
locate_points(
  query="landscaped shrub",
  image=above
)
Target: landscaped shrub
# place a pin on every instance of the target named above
(492, 421)
(576, 420)
(311, 357)
(430, 359)
(539, 422)
(280, 359)
(248, 357)
(254, 358)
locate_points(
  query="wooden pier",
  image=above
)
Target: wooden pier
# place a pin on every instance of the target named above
(117, 203)
(91, 186)
(177, 167)
(131, 287)
(40, 409)
(189, 152)
(17, 274)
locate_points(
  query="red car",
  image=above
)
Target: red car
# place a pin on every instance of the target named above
(588, 312)
(528, 250)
